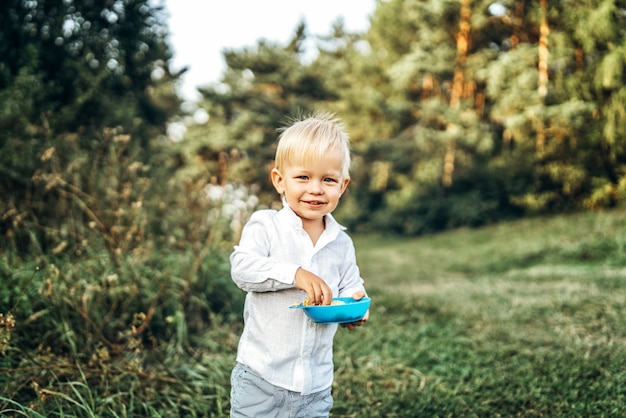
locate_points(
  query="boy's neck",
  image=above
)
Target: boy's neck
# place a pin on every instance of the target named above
(314, 228)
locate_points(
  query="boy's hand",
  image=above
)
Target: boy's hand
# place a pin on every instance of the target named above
(352, 325)
(315, 287)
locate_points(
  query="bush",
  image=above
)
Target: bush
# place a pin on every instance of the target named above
(121, 298)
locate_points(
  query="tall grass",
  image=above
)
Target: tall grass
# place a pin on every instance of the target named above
(117, 306)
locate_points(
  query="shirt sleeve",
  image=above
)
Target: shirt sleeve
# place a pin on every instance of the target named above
(352, 281)
(252, 268)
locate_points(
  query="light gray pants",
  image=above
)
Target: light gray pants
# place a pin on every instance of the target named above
(251, 396)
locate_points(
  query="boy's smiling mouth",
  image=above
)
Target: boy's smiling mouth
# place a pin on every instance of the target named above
(314, 202)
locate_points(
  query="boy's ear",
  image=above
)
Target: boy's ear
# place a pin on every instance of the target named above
(344, 184)
(277, 181)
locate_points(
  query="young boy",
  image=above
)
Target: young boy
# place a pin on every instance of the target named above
(284, 361)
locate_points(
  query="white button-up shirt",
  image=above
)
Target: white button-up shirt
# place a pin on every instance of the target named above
(281, 344)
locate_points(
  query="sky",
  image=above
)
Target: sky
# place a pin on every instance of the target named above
(201, 29)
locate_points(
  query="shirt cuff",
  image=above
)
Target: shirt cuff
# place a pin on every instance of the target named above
(287, 274)
(347, 293)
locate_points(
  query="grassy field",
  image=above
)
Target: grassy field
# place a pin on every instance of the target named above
(518, 319)
(523, 319)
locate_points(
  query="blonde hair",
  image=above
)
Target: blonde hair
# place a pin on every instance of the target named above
(310, 138)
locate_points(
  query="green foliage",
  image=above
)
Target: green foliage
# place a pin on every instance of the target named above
(114, 264)
(96, 62)
(537, 127)
(263, 87)
(70, 73)
(88, 338)
(110, 304)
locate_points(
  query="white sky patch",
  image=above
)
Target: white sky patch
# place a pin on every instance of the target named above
(201, 29)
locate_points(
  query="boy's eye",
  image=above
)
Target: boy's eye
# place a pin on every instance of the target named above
(302, 177)
(330, 180)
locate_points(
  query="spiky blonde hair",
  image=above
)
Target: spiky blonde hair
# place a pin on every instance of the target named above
(309, 138)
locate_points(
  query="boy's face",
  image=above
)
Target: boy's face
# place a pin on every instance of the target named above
(312, 190)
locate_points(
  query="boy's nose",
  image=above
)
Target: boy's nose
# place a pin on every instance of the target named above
(315, 187)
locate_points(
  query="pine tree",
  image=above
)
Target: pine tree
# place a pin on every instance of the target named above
(263, 87)
(71, 73)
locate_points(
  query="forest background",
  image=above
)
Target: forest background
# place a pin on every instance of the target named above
(115, 237)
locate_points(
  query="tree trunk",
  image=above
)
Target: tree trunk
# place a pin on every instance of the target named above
(458, 84)
(542, 84)
(462, 46)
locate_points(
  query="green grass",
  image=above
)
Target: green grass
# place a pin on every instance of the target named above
(518, 319)
(522, 319)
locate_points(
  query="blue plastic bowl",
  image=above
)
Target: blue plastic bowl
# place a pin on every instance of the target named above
(350, 311)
